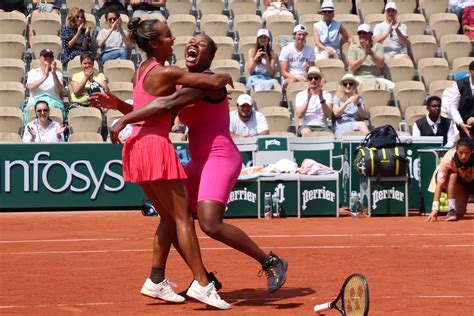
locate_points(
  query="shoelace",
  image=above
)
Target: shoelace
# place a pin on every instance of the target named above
(169, 285)
(267, 268)
(213, 292)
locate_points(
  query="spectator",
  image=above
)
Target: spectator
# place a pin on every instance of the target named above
(433, 124)
(314, 105)
(45, 83)
(348, 107)
(275, 7)
(327, 34)
(113, 40)
(461, 109)
(458, 6)
(148, 7)
(261, 62)
(46, 6)
(366, 61)
(468, 21)
(75, 37)
(246, 121)
(13, 5)
(86, 82)
(392, 34)
(42, 129)
(119, 5)
(297, 57)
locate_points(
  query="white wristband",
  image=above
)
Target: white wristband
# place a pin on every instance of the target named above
(435, 206)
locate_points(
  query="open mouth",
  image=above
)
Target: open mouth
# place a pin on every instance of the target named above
(191, 54)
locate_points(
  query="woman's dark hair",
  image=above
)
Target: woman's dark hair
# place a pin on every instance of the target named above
(41, 101)
(114, 11)
(86, 55)
(466, 142)
(142, 31)
(267, 48)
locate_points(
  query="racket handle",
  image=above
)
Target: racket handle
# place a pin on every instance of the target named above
(322, 307)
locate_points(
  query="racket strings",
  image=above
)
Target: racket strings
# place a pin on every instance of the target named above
(355, 297)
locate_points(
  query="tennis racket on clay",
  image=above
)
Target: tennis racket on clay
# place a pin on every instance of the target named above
(352, 300)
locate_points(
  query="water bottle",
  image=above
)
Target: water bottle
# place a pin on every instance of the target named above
(268, 206)
(355, 203)
(276, 204)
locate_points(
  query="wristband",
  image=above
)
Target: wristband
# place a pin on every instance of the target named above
(435, 206)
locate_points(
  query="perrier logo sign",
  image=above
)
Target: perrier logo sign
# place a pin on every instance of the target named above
(380, 195)
(243, 195)
(317, 194)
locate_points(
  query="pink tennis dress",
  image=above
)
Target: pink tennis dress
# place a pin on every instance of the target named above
(215, 160)
(148, 153)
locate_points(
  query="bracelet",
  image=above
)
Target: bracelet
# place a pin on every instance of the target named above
(435, 206)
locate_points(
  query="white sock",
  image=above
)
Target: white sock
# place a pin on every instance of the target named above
(452, 204)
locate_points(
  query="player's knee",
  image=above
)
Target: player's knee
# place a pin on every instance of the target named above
(211, 229)
(453, 178)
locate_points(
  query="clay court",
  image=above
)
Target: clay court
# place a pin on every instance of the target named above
(94, 263)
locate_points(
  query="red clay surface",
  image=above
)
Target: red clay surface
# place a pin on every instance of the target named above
(94, 263)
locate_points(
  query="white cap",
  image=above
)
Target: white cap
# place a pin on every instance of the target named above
(264, 32)
(327, 6)
(300, 28)
(364, 28)
(244, 99)
(314, 71)
(349, 77)
(391, 5)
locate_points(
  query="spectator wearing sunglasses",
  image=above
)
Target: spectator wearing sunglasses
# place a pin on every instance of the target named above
(348, 108)
(313, 106)
(113, 40)
(42, 129)
(75, 36)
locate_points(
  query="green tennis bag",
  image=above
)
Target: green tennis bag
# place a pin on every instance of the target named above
(381, 162)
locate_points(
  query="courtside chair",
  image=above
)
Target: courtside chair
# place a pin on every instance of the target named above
(229, 66)
(11, 94)
(413, 114)
(10, 137)
(421, 46)
(409, 93)
(215, 24)
(365, 7)
(119, 70)
(112, 115)
(12, 69)
(74, 66)
(429, 7)
(437, 87)
(332, 69)
(374, 19)
(12, 46)
(179, 6)
(125, 19)
(454, 46)
(443, 23)
(381, 115)
(225, 47)
(350, 21)
(461, 64)
(374, 97)
(85, 137)
(40, 42)
(11, 120)
(12, 23)
(46, 23)
(399, 69)
(86, 5)
(278, 118)
(234, 93)
(85, 119)
(415, 22)
(342, 6)
(122, 90)
(179, 46)
(182, 24)
(238, 7)
(431, 69)
(308, 21)
(280, 24)
(304, 7)
(266, 98)
(405, 6)
(247, 25)
(55, 114)
(210, 6)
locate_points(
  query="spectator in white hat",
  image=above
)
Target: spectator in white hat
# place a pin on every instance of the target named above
(313, 106)
(246, 121)
(392, 34)
(261, 62)
(275, 7)
(295, 58)
(366, 61)
(327, 34)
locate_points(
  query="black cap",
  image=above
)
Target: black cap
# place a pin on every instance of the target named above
(471, 65)
(47, 53)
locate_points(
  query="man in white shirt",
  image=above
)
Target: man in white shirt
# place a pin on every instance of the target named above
(246, 121)
(433, 124)
(313, 106)
(295, 58)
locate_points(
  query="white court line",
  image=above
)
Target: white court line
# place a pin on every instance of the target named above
(253, 236)
(228, 248)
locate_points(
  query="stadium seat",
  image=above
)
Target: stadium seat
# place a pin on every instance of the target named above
(40, 42)
(381, 115)
(431, 69)
(405, 6)
(304, 7)
(12, 46)
(179, 6)
(266, 98)
(332, 69)
(454, 46)
(230, 66)
(12, 23)
(112, 115)
(239, 7)
(342, 6)
(55, 114)
(86, 5)
(122, 90)
(247, 25)
(245, 44)
(438, 86)
(461, 64)
(413, 114)
(210, 6)
(11, 120)
(46, 23)
(278, 118)
(85, 137)
(374, 97)
(85, 119)
(74, 66)
(233, 94)
(215, 24)
(320, 134)
(6, 137)
(421, 46)
(399, 69)
(443, 23)
(350, 21)
(365, 7)
(119, 70)
(286, 134)
(374, 19)
(415, 23)
(293, 88)
(12, 69)
(430, 7)
(182, 24)
(225, 47)
(331, 87)
(280, 24)
(12, 94)
(409, 93)
(308, 21)
(179, 46)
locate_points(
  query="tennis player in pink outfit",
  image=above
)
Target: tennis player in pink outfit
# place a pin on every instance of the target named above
(215, 160)
(150, 160)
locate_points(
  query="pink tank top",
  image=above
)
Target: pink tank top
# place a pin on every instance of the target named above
(157, 125)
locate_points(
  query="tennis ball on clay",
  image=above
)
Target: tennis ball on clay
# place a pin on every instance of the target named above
(443, 200)
(444, 208)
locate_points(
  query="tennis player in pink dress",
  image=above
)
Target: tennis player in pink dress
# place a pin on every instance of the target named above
(215, 160)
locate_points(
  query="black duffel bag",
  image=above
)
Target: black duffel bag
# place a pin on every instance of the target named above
(381, 162)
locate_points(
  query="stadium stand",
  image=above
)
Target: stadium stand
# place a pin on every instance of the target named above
(267, 98)
(304, 7)
(85, 137)
(381, 115)
(85, 119)
(247, 25)
(12, 69)
(10, 137)
(11, 119)
(215, 24)
(278, 118)
(409, 93)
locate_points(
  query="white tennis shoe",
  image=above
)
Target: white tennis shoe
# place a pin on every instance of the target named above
(207, 294)
(163, 291)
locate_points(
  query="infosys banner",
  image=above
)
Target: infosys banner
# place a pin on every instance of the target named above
(61, 176)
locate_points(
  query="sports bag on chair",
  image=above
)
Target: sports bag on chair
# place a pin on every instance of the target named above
(381, 137)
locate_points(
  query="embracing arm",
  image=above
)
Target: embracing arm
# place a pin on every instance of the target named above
(196, 80)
